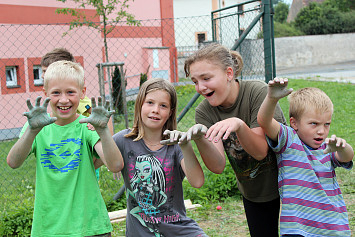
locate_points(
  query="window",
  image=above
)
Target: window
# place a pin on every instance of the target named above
(155, 58)
(11, 76)
(201, 37)
(37, 75)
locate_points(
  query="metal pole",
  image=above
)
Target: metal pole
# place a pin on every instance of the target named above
(123, 89)
(267, 41)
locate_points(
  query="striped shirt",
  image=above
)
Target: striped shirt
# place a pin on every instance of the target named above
(312, 203)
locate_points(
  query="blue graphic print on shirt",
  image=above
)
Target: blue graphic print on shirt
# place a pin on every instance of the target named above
(56, 157)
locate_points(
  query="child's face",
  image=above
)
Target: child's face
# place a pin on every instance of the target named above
(212, 82)
(156, 110)
(65, 97)
(313, 127)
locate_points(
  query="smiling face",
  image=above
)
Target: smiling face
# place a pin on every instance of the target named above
(312, 127)
(65, 96)
(214, 83)
(156, 110)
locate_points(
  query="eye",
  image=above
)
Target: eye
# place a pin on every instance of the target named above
(206, 78)
(164, 106)
(146, 170)
(327, 124)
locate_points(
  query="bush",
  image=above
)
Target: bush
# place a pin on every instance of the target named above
(17, 223)
(286, 29)
(217, 187)
(324, 18)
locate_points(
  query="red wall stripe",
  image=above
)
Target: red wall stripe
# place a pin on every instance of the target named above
(15, 14)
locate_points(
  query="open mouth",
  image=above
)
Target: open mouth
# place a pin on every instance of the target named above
(209, 94)
(154, 118)
(64, 108)
(318, 139)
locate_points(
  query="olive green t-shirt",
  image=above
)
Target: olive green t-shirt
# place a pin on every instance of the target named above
(257, 180)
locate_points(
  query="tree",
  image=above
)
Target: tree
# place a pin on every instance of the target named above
(325, 18)
(281, 12)
(104, 8)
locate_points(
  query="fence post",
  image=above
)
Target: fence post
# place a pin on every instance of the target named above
(267, 28)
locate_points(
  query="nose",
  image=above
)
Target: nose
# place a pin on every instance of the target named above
(201, 87)
(155, 108)
(63, 99)
(321, 130)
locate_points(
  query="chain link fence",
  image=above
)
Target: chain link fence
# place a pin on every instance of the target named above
(140, 53)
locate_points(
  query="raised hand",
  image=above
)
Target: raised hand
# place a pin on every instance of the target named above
(100, 114)
(334, 144)
(174, 137)
(37, 116)
(196, 132)
(278, 88)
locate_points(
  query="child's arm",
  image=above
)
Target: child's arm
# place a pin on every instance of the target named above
(105, 147)
(189, 163)
(343, 151)
(37, 119)
(277, 89)
(211, 153)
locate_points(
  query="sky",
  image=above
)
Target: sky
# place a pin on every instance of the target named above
(289, 2)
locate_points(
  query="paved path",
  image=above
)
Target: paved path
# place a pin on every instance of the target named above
(344, 72)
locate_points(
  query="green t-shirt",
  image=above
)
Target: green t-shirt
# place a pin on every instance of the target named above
(257, 180)
(68, 200)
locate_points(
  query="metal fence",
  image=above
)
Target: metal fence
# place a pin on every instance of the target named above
(141, 52)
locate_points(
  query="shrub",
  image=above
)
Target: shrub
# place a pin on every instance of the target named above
(217, 187)
(17, 223)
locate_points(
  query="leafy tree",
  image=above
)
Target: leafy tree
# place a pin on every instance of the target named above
(281, 12)
(325, 18)
(342, 5)
(104, 8)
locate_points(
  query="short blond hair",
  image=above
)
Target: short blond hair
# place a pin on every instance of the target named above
(309, 98)
(65, 70)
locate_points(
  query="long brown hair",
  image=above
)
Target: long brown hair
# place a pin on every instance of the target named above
(147, 87)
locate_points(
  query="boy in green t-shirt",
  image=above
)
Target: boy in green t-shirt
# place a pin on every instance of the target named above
(68, 201)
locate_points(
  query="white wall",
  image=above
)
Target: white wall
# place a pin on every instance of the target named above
(314, 50)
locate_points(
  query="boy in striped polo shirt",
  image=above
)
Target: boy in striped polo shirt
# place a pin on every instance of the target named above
(312, 203)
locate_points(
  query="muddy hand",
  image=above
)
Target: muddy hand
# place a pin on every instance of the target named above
(37, 115)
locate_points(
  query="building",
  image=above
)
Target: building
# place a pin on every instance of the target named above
(29, 29)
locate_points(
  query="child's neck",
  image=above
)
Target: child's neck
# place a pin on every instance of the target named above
(63, 122)
(152, 139)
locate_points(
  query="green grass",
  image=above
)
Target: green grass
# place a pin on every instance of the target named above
(17, 186)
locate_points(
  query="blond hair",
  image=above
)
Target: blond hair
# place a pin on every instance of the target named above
(65, 70)
(147, 87)
(309, 98)
(217, 54)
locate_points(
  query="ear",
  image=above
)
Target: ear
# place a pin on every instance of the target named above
(83, 93)
(230, 73)
(293, 123)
